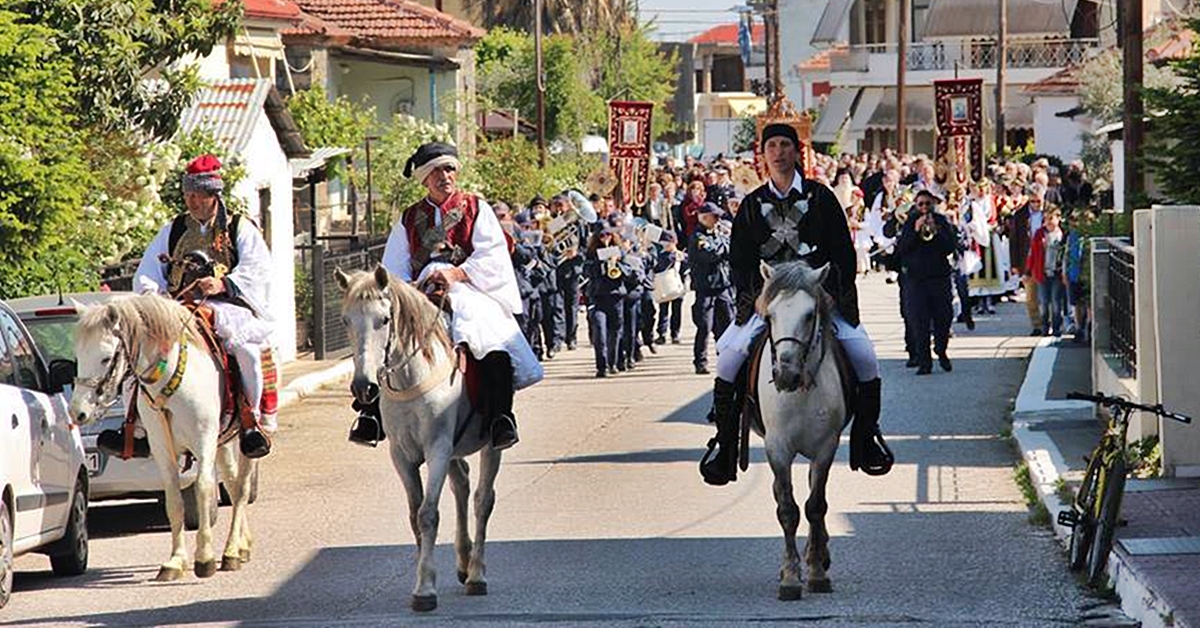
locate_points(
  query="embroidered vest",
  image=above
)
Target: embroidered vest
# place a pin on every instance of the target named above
(449, 242)
(195, 237)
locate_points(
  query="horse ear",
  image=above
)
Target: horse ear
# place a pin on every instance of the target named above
(343, 280)
(381, 276)
(766, 270)
(820, 274)
(110, 315)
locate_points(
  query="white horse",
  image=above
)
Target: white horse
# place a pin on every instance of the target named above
(401, 347)
(800, 389)
(177, 387)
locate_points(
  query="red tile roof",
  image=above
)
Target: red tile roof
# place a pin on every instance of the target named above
(727, 34)
(820, 61)
(383, 22)
(1177, 47)
(272, 9)
(1065, 81)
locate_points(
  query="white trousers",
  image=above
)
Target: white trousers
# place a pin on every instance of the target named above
(733, 347)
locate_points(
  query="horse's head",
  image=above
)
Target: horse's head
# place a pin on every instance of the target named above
(102, 359)
(793, 304)
(367, 313)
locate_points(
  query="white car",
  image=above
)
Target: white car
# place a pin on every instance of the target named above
(43, 478)
(51, 321)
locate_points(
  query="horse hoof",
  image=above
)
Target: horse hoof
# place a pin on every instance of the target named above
(206, 570)
(231, 563)
(790, 592)
(244, 555)
(462, 577)
(168, 574)
(424, 603)
(820, 586)
(476, 588)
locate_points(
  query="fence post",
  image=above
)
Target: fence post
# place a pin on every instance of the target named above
(318, 297)
(1142, 424)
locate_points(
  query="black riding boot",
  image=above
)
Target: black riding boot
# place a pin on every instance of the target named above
(253, 443)
(368, 427)
(868, 450)
(720, 467)
(502, 423)
(112, 442)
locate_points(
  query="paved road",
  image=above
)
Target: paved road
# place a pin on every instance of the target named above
(602, 518)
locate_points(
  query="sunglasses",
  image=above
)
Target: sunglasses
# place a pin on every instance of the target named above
(924, 204)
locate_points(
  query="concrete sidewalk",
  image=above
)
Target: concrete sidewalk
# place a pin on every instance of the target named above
(1155, 563)
(304, 376)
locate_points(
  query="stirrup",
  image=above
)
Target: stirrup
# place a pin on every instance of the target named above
(726, 475)
(253, 443)
(366, 431)
(883, 466)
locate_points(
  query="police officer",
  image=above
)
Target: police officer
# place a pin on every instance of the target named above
(709, 255)
(925, 243)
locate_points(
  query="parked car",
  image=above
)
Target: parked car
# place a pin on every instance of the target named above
(52, 321)
(43, 478)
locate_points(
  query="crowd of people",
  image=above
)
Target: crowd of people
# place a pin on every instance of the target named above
(955, 251)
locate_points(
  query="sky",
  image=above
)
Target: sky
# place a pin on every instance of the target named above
(679, 20)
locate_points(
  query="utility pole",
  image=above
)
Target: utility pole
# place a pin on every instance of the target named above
(777, 59)
(768, 53)
(1001, 62)
(1132, 131)
(901, 71)
(541, 84)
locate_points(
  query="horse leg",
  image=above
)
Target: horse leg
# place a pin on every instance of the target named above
(235, 471)
(460, 485)
(206, 485)
(425, 592)
(485, 500)
(173, 568)
(788, 513)
(410, 477)
(816, 550)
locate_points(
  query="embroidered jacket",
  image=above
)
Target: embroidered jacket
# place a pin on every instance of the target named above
(447, 240)
(809, 226)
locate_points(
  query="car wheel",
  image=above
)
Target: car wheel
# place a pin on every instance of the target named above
(191, 514)
(6, 553)
(70, 555)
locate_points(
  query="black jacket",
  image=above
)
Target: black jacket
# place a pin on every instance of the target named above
(709, 255)
(823, 228)
(922, 259)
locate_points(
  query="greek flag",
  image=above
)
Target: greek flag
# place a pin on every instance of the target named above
(744, 39)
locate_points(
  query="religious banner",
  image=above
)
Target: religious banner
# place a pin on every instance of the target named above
(958, 104)
(629, 150)
(782, 111)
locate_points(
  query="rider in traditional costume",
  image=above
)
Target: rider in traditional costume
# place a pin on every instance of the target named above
(451, 241)
(238, 295)
(789, 218)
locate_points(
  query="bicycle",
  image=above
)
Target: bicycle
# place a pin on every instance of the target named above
(1097, 505)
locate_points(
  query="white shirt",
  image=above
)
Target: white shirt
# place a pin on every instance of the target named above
(797, 184)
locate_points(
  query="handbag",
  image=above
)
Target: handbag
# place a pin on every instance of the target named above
(668, 285)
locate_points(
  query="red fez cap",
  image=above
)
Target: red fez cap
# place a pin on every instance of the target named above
(204, 164)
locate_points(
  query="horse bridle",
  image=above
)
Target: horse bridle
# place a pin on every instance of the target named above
(808, 347)
(386, 370)
(99, 383)
(125, 355)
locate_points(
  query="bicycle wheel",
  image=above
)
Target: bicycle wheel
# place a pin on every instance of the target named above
(1085, 508)
(1106, 524)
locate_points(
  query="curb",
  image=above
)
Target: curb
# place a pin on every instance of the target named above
(1047, 465)
(306, 385)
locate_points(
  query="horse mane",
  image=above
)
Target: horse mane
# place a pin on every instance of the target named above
(792, 277)
(414, 317)
(139, 319)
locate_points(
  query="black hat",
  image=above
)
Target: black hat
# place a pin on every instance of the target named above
(777, 129)
(710, 207)
(668, 236)
(427, 153)
(537, 200)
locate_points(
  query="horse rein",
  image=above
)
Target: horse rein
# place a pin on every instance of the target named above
(813, 339)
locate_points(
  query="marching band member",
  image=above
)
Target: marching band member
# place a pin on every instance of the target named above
(605, 293)
(924, 244)
(712, 311)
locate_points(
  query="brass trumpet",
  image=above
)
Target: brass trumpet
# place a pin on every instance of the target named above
(613, 271)
(929, 228)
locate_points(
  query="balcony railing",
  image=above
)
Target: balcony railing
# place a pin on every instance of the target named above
(1122, 280)
(967, 55)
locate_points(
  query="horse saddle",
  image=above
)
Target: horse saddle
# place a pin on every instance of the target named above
(749, 409)
(233, 399)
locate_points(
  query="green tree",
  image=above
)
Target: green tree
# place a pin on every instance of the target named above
(388, 157)
(335, 123)
(629, 66)
(43, 177)
(1173, 153)
(558, 16)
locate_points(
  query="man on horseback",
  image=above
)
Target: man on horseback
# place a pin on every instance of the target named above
(791, 218)
(237, 289)
(453, 246)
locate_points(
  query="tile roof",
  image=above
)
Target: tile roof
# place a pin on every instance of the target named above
(272, 9)
(1063, 82)
(395, 22)
(820, 61)
(727, 34)
(228, 110)
(1178, 46)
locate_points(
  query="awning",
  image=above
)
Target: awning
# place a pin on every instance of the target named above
(301, 167)
(979, 18)
(867, 103)
(1018, 110)
(918, 109)
(830, 26)
(258, 43)
(834, 114)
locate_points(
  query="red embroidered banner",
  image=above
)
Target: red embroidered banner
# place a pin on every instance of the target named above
(629, 149)
(958, 104)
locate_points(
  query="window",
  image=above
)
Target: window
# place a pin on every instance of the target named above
(875, 21)
(24, 359)
(7, 374)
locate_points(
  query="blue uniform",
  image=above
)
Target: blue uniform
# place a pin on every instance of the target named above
(712, 312)
(928, 273)
(605, 312)
(670, 313)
